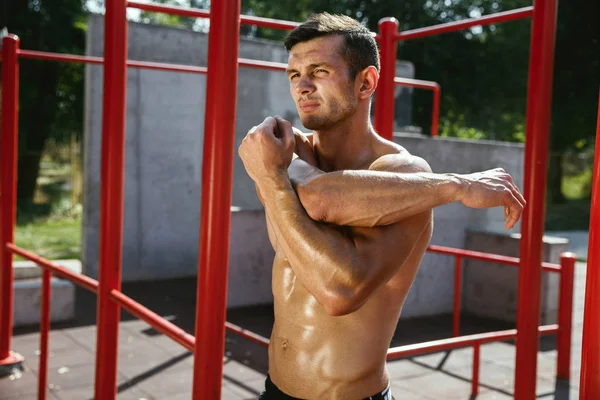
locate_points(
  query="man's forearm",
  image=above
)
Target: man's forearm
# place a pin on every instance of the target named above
(367, 197)
(322, 257)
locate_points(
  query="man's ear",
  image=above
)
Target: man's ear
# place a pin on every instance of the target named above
(367, 81)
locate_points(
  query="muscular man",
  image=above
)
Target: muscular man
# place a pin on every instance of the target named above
(349, 216)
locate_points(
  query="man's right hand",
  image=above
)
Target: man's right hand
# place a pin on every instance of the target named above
(492, 188)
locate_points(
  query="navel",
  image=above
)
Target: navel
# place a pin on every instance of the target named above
(284, 344)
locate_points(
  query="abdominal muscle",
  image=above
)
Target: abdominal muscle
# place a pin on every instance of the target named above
(313, 355)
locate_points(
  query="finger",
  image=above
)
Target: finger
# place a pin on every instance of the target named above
(269, 125)
(515, 209)
(514, 188)
(286, 131)
(520, 196)
(517, 194)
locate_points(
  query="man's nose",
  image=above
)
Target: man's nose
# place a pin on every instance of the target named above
(305, 86)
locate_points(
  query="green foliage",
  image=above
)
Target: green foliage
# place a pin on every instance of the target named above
(51, 93)
(174, 20)
(52, 238)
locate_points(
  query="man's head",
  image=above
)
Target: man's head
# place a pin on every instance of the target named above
(333, 68)
(359, 48)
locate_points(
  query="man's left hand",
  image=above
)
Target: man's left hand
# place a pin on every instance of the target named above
(267, 149)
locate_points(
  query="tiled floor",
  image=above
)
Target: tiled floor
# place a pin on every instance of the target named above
(151, 366)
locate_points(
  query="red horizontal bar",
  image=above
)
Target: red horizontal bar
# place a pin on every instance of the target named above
(461, 341)
(268, 22)
(512, 261)
(173, 10)
(247, 334)
(154, 320)
(78, 279)
(167, 67)
(467, 23)
(416, 83)
(199, 13)
(274, 66)
(41, 55)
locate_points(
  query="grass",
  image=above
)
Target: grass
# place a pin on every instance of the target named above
(54, 239)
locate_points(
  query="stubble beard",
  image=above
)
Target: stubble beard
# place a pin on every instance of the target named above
(337, 113)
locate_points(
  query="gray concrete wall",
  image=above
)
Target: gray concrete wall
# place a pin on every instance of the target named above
(491, 289)
(164, 142)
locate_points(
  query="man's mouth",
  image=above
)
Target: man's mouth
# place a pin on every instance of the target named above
(307, 106)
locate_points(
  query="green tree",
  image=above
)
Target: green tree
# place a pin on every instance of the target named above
(576, 84)
(51, 93)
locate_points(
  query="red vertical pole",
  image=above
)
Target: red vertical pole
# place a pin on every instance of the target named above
(111, 198)
(217, 175)
(435, 118)
(44, 333)
(565, 315)
(8, 197)
(457, 293)
(541, 65)
(476, 362)
(590, 352)
(384, 95)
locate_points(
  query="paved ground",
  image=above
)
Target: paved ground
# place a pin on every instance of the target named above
(153, 367)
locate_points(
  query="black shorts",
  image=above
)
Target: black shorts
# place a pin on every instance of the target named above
(272, 392)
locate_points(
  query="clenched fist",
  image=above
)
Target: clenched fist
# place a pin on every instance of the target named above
(267, 149)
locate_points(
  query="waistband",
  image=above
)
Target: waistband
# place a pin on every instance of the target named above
(272, 392)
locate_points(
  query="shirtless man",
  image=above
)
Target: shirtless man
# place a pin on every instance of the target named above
(349, 216)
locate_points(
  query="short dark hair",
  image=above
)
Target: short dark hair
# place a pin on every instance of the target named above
(360, 49)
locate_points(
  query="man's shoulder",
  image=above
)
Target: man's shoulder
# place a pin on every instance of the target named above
(400, 161)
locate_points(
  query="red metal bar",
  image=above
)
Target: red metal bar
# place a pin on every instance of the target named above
(590, 354)
(384, 95)
(154, 320)
(198, 13)
(539, 96)
(111, 197)
(247, 334)
(416, 83)
(217, 176)
(475, 379)
(48, 56)
(565, 315)
(476, 255)
(8, 197)
(268, 22)
(41, 55)
(78, 279)
(435, 118)
(504, 16)
(462, 341)
(274, 66)
(44, 333)
(172, 10)
(457, 293)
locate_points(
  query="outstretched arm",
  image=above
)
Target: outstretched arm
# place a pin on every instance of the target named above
(395, 187)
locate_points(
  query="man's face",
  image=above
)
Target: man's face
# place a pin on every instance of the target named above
(320, 83)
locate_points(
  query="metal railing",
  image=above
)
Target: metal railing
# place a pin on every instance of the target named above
(217, 171)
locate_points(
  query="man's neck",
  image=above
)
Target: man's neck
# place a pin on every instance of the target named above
(346, 146)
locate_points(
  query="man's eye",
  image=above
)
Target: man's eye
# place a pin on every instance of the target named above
(294, 76)
(320, 70)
